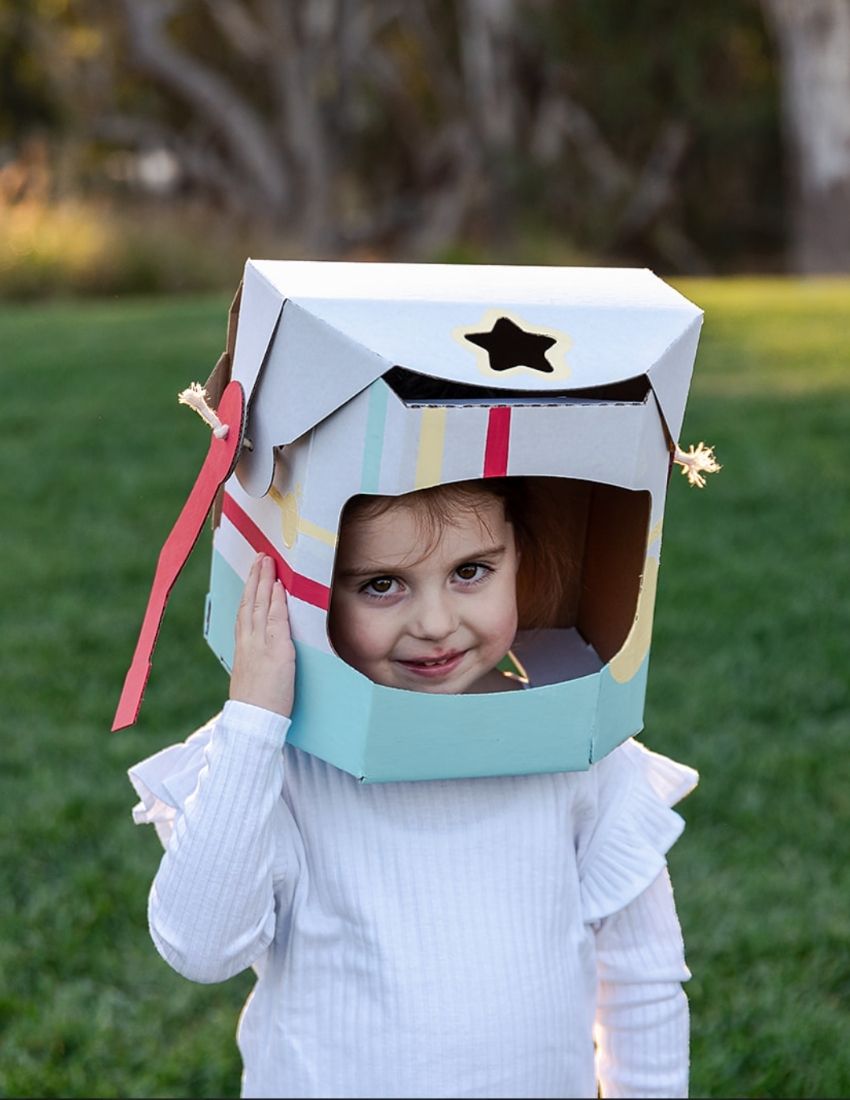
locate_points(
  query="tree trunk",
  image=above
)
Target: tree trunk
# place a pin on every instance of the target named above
(243, 131)
(487, 31)
(814, 49)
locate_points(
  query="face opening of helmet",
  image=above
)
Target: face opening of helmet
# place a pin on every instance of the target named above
(569, 554)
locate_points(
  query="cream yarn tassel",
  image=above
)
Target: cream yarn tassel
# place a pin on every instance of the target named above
(696, 462)
(196, 398)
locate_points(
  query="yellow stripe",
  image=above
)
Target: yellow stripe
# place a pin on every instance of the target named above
(292, 522)
(432, 434)
(316, 532)
(655, 533)
(636, 646)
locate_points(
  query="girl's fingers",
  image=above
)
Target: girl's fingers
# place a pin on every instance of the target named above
(249, 596)
(263, 594)
(264, 658)
(278, 621)
(263, 613)
(279, 604)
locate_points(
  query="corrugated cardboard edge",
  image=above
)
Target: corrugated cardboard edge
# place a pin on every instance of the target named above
(218, 379)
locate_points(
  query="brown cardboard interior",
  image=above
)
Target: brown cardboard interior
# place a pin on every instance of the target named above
(602, 530)
(614, 555)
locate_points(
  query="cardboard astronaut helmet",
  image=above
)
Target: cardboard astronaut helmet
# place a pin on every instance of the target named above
(345, 379)
(578, 376)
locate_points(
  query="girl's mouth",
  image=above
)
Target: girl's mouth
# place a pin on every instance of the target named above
(434, 667)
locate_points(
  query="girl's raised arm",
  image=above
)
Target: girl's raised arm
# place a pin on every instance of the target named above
(212, 903)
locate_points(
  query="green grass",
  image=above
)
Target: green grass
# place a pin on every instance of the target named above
(749, 683)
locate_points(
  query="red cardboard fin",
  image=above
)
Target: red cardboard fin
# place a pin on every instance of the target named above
(218, 465)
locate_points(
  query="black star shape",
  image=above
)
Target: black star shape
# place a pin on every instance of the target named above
(510, 346)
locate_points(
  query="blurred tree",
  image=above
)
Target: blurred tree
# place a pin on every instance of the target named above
(443, 128)
(814, 44)
(668, 127)
(25, 91)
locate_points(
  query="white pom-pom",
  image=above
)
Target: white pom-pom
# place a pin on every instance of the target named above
(196, 398)
(696, 462)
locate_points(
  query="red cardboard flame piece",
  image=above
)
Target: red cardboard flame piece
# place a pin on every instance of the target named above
(218, 465)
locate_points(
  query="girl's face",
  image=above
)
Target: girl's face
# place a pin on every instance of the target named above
(436, 622)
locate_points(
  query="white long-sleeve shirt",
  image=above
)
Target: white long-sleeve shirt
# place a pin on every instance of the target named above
(434, 938)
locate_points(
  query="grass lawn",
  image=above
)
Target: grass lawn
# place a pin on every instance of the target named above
(749, 683)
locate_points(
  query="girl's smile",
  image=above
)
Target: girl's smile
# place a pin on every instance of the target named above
(435, 667)
(426, 613)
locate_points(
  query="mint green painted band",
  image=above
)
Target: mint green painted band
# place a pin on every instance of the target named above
(383, 734)
(374, 441)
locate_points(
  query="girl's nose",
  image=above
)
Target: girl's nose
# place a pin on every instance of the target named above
(435, 617)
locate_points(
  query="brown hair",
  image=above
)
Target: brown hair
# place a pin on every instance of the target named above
(537, 508)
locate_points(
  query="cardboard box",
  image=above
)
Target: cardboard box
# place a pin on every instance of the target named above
(578, 375)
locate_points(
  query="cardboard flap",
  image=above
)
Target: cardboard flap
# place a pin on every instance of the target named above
(310, 371)
(260, 311)
(670, 377)
(533, 328)
(218, 379)
(546, 654)
(220, 374)
(233, 321)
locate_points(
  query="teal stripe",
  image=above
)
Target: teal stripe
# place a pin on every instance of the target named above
(382, 734)
(373, 445)
(620, 712)
(223, 601)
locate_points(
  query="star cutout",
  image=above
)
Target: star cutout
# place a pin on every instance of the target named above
(510, 346)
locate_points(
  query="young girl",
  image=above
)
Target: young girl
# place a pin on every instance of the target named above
(490, 937)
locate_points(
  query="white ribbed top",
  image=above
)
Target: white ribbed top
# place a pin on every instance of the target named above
(436, 938)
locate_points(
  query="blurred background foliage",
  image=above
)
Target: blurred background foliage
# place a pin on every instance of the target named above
(149, 144)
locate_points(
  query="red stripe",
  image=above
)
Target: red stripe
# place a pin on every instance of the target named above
(498, 437)
(303, 588)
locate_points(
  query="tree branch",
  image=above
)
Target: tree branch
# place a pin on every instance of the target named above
(654, 187)
(240, 31)
(239, 126)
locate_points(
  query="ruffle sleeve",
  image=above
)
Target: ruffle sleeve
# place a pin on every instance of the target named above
(634, 827)
(165, 780)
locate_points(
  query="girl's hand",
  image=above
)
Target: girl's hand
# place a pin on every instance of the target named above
(264, 661)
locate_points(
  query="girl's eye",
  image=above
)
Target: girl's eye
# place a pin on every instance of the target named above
(472, 571)
(380, 586)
